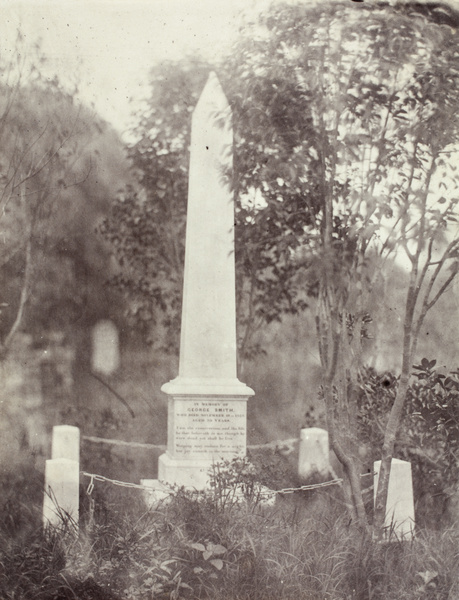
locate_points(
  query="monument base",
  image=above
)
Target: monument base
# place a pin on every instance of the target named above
(184, 472)
(155, 492)
(206, 424)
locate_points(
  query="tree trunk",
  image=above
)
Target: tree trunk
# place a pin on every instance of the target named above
(387, 453)
(22, 300)
(395, 416)
(349, 465)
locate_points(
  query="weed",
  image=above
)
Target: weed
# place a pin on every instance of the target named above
(219, 545)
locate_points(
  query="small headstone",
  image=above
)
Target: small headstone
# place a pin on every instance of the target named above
(61, 497)
(314, 454)
(66, 442)
(105, 348)
(399, 522)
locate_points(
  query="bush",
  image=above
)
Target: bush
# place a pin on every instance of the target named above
(428, 435)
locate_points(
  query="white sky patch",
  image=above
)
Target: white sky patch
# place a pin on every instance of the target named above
(254, 200)
(110, 45)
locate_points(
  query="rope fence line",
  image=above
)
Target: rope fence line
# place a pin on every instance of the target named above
(111, 442)
(98, 440)
(265, 491)
(276, 444)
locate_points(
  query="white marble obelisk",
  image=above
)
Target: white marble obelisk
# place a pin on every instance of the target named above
(207, 402)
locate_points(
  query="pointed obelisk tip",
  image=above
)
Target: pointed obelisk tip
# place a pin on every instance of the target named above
(212, 95)
(213, 80)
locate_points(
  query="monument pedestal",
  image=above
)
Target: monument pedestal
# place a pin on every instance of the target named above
(207, 423)
(184, 472)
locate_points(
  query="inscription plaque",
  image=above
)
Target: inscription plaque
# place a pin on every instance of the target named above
(209, 428)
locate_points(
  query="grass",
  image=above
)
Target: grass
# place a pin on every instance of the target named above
(212, 546)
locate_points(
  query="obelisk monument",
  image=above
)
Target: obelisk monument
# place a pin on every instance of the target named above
(207, 419)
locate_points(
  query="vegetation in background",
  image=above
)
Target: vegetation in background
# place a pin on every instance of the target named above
(54, 184)
(377, 135)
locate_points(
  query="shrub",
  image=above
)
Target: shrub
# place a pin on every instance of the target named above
(428, 435)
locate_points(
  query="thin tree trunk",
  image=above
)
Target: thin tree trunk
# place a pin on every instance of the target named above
(330, 356)
(22, 299)
(395, 414)
(353, 476)
(386, 456)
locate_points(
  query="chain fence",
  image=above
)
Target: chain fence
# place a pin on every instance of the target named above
(286, 446)
(94, 477)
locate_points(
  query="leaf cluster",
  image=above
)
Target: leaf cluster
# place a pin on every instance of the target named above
(429, 431)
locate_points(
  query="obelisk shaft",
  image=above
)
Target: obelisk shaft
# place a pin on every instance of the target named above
(208, 350)
(208, 334)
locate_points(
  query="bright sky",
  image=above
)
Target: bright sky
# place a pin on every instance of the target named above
(109, 45)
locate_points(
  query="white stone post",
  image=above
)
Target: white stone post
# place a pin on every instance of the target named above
(62, 477)
(207, 403)
(66, 442)
(314, 454)
(399, 521)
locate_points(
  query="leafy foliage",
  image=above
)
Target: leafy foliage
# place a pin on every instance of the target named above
(429, 431)
(340, 132)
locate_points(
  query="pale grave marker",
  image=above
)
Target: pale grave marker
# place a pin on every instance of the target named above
(207, 403)
(399, 522)
(66, 442)
(105, 358)
(314, 453)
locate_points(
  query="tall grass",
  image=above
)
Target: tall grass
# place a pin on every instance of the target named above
(213, 545)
